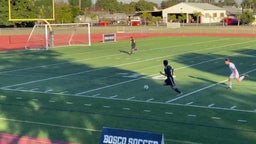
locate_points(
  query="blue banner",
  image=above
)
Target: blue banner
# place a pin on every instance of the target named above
(120, 136)
(109, 37)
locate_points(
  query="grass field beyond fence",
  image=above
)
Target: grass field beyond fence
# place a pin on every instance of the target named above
(70, 93)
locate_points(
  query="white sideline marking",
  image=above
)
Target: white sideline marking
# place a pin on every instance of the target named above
(142, 101)
(49, 90)
(126, 108)
(191, 115)
(147, 111)
(63, 92)
(88, 105)
(35, 89)
(196, 91)
(168, 113)
(242, 121)
(106, 106)
(189, 103)
(216, 118)
(210, 105)
(49, 124)
(2, 96)
(96, 95)
(130, 98)
(149, 100)
(233, 107)
(69, 103)
(114, 96)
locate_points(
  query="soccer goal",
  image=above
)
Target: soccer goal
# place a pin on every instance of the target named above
(45, 36)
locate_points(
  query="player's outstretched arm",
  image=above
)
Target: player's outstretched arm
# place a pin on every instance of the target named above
(162, 73)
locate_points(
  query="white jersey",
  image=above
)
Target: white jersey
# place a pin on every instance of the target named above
(234, 71)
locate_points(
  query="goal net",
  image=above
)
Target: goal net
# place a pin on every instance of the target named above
(45, 36)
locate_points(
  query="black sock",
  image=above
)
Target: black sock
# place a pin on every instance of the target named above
(177, 90)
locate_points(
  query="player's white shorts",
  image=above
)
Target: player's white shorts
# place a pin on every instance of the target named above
(232, 75)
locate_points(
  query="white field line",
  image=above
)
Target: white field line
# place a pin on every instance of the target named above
(49, 124)
(204, 88)
(181, 141)
(100, 57)
(92, 70)
(120, 83)
(196, 91)
(210, 105)
(131, 99)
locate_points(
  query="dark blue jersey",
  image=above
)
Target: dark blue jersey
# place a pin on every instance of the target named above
(168, 71)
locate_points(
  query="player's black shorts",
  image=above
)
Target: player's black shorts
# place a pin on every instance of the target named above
(170, 81)
(133, 46)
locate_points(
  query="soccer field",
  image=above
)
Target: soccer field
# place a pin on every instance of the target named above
(70, 93)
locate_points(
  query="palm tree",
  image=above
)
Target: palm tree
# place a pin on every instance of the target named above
(198, 15)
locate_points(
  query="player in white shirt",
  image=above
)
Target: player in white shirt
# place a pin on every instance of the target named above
(234, 73)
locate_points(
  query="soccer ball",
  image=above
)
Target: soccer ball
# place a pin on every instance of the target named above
(146, 87)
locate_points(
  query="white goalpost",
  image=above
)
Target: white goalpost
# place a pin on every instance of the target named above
(45, 36)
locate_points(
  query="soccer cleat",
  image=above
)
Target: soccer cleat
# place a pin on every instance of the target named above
(245, 74)
(229, 87)
(181, 93)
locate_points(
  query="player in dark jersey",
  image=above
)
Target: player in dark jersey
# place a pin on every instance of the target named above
(168, 72)
(133, 45)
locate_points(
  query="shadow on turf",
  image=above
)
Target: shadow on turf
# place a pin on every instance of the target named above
(125, 52)
(208, 80)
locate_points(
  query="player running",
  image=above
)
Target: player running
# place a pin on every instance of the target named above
(168, 72)
(133, 45)
(234, 73)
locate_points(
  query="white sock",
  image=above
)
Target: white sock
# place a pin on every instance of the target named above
(241, 78)
(230, 84)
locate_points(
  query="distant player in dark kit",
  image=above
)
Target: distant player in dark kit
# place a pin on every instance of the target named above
(133, 45)
(168, 72)
(234, 73)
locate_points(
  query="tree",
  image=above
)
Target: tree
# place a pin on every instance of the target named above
(108, 5)
(146, 16)
(167, 3)
(182, 18)
(197, 15)
(172, 18)
(81, 3)
(4, 13)
(22, 9)
(156, 20)
(247, 17)
(66, 13)
(44, 8)
(143, 5)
